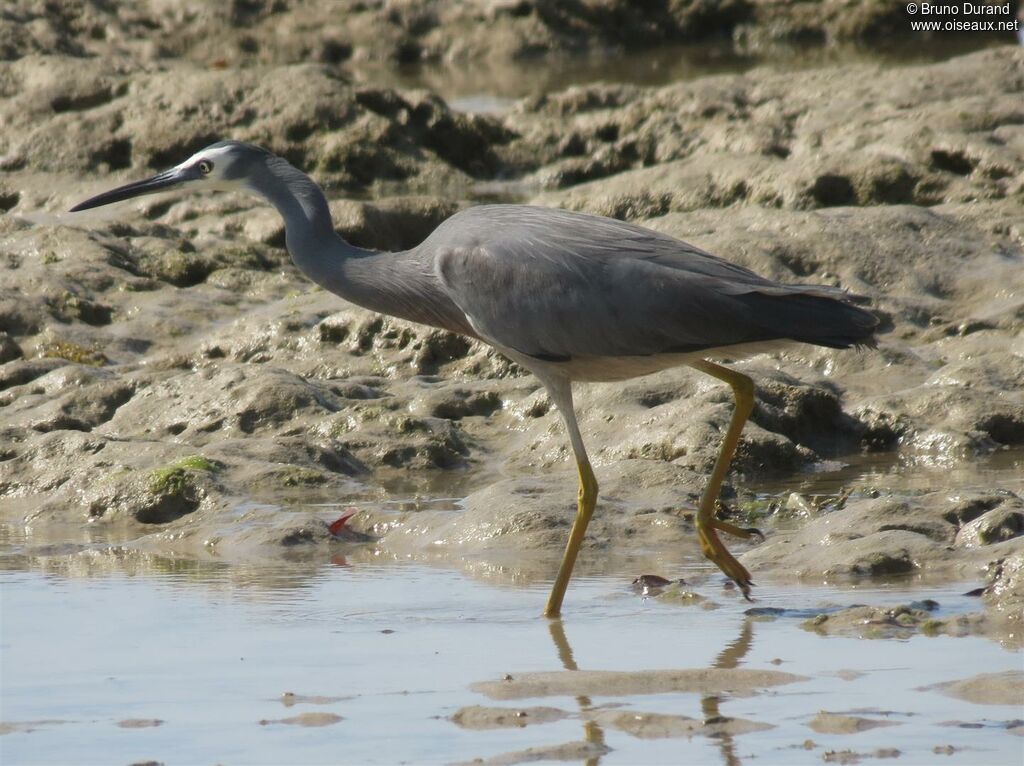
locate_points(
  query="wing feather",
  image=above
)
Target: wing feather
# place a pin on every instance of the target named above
(555, 284)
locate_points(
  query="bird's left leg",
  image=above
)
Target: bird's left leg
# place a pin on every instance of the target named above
(712, 547)
(561, 393)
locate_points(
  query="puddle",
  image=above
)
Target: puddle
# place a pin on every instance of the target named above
(494, 90)
(892, 473)
(382, 664)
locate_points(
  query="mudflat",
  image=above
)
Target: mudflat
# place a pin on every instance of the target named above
(173, 389)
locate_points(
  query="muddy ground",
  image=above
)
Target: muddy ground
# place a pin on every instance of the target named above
(485, 33)
(169, 381)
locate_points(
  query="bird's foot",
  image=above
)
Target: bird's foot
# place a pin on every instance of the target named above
(743, 532)
(715, 551)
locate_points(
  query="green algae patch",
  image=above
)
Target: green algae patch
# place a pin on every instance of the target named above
(297, 476)
(176, 479)
(176, 489)
(73, 352)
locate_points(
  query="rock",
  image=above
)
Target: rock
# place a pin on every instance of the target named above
(740, 143)
(987, 689)
(308, 719)
(91, 478)
(878, 538)
(871, 622)
(9, 350)
(21, 372)
(477, 717)
(393, 224)
(566, 751)
(838, 723)
(149, 122)
(661, 725)
(738, 681)
(139, 723)
(1002, 523)
(464, 35)
(1004, 597)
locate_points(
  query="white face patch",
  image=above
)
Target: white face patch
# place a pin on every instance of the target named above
(218, 157)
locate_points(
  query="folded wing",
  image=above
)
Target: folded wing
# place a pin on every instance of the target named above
(555, 285)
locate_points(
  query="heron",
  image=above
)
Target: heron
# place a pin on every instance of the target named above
(569, 296)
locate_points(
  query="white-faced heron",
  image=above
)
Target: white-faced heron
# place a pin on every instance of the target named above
(570, 297)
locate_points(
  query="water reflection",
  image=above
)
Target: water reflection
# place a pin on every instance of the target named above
(729, 657)
(593, 734)
(594, 738)
(401, 649)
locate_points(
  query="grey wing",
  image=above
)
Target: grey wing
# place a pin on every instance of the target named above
(555, 285)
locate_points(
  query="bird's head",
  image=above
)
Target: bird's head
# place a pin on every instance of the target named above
(223, 166)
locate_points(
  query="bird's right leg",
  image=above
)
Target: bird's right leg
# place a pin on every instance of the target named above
(586, 498)
(713, 548)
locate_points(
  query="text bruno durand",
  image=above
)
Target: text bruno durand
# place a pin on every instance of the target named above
(962, 17)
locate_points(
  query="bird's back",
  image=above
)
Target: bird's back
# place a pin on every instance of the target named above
(556, 284)
(566, 236)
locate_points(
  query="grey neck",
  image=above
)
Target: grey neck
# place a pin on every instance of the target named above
(401, 284)
(302, 205)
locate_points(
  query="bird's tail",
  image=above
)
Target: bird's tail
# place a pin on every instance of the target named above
(821, 316)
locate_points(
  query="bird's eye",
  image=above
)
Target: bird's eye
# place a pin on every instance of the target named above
(205, 166)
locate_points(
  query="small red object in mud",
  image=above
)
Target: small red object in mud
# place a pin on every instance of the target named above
(337, 525)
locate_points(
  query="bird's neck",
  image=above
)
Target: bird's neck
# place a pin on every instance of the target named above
(400, 284)
(301, 203)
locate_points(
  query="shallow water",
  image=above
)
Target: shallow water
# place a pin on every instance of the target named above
(208, 651)
(118, 656)
(487, 90)
(892, 474)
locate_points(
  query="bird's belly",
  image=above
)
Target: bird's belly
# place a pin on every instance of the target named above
(612, 368)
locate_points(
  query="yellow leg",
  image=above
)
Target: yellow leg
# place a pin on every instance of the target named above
(585, 502)
(713, 548)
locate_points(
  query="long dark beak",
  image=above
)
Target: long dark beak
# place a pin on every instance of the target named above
(169, 179)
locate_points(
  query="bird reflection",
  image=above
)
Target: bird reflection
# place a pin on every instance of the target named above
(592, 731)
(730, 657)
